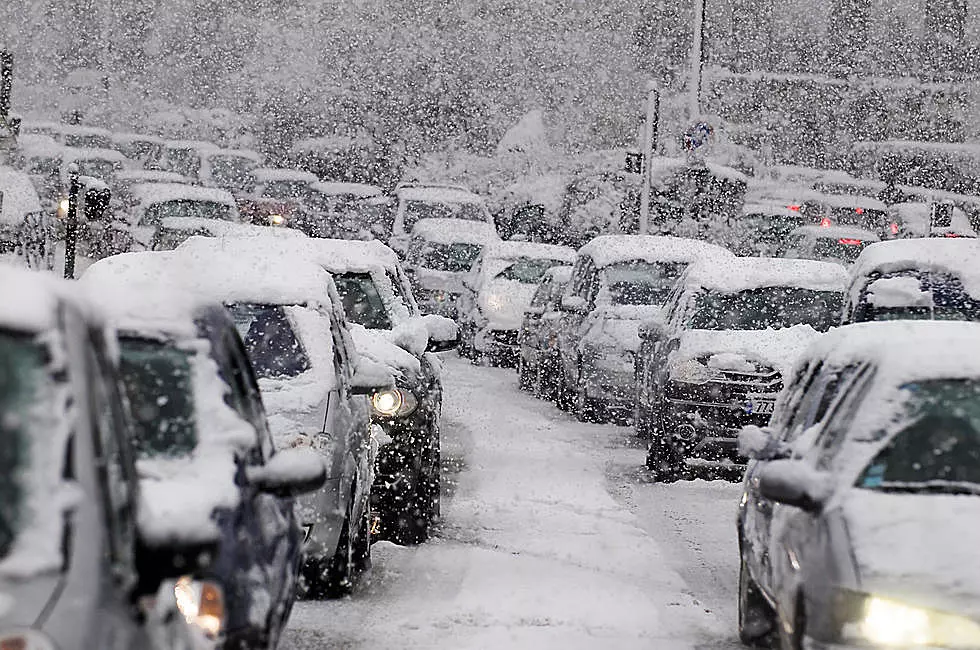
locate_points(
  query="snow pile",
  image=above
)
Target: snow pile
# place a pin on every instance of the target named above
(734, 361)
(898, 292)
(528, 136)
(611, 249)
(35, 295)
(745, 273)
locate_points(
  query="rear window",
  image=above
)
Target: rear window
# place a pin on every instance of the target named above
(844, 249)
(641, 283)
(528, 270)
(767, 308)
(157, 212)
(287, 190)
(454, 258)
(416, 210)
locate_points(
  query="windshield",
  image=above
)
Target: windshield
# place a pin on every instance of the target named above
(159, 385)
(157, 212)
(767, 308)
(22, 395)
(270, 340)
(415, 210)
(287, 190)
(528, 270)
(938, 448)
(104, 170)
(843, 249)
(641, 283)
(362, 302)
(232, 173)
(456, 258)
(916, 295)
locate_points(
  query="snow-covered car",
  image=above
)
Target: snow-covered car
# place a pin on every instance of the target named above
(315, 386)
(128, 178)
(617, 282)
(173, 231)
(174, 202)
(26, 229)
(498, 289)
(763, 229)
(229, 169)
(282, 184)
(730, 335)
(147, 150)
(827, 243)
(914, 220)
(102, 164)
(346, 211)
(856, 522)
(207, 463)
(71, 499)
(422, 201)
(863, 212)
(915, 279)
(184, 157)
(537, 365)
(440, 254)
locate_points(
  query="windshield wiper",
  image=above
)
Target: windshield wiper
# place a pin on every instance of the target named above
(938, 486)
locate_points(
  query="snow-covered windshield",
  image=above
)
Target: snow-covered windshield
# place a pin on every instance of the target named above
(270, 340)
(527, 270)
(104, 170)
(362, 302)
(232, 173)
(939, 449)
(22, 392)
(457, 257)
(640, 283)
(194, 209)
(158, 383)
(416, 210)
(917, 295)
(766, 308)
(844, 249)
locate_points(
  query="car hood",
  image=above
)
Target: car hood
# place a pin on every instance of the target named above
(22, 601)
(916, 548)
(451, 281)
(734, 349)
(504, 302)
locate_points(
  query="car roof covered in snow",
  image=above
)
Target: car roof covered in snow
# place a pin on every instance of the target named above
(453, 231)
(344, 256)
(836, 232)
(503, 250)
(37, 143)
(248, 154)
(904, 351)
(93, 153)
(915, 217)
(230, 229)
(150, 193)
(150, 176)
(31, 299)
(848, 201)
(437, 194)
(959, 257)
(611, 249)
(136, 137)
(333, 188)
(273, 174)
(743, 273)
(19, 196)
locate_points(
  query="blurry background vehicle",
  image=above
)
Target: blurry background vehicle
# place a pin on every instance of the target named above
(763, 229)
(497, 290)
(731, 335)
(153, 203)
(346, 211)
(439, 256)
(146, 150)
(26, 229)
(417, 201)
(929, 220)
(827, 243)
(538, 361)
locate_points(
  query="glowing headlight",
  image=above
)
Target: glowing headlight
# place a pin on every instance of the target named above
(394, 402)
(692, 372)
(202, 603)
(25, 640)
(277, 219)
(495, 302)
(63, 206)
(891, 623)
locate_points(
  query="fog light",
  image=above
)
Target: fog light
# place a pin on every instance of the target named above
(202, 603)
(277, 219)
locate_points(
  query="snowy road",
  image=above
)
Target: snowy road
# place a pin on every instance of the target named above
(550, 539)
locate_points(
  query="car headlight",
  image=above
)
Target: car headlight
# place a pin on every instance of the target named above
(63, 206)
(693, 372)
(495, 302)
(276, 219)
(202, 603)
(394, 402)
(25, 640)
(890, 623)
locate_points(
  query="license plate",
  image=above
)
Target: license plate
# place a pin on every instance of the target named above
(759, 406)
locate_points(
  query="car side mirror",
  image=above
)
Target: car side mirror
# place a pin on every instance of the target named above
(370, 377)
(653, 330)
(795, 483)
(760, 443)
(443, 333)
(574, 304)
(289, 473)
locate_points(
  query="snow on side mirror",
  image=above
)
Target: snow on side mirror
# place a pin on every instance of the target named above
(443, 333)
(370, 377)
(574, 304)
(795, 483)
(759, 443)
(289, 473)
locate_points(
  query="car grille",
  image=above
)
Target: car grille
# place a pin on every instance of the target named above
(733, 391)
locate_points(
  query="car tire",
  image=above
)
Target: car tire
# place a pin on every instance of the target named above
(362, 543)
(334, 578)
(794, 641)
(563, 393)
(588, 409)
(525, 378)
(663, 463)
(756, 620)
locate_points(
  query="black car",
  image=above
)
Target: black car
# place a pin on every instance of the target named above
(73, 561)
(207, 460)
(856, 523)
(538, 362)
(732, 329)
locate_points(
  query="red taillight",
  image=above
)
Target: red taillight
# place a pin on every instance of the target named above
(850, 242)
(794, 208)
(894, 228)
(952, 235)
(859, 210)
(825, 222)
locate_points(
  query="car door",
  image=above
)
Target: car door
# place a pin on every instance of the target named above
(529, 335)
(571, 330)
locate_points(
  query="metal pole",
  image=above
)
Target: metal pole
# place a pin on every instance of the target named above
(71, 222)
(697, 56)
(651, 128)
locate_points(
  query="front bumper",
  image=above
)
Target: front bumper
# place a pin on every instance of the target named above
(613, 384)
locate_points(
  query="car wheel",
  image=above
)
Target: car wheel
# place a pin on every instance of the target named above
(525, 379)
(562, 392)
(663, 463)
(588, 409)
(756, 620)
(334, 578)
(362, 542)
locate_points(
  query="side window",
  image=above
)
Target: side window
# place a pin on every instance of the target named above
(841, 413)
(580, 276)
(592, 285)
(245, 383)
(789, 402)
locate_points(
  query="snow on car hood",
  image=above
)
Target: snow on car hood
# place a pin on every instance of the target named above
(504, 302)
(433, 280)
(618, 326)
(378, 346)
(917, 548)
(730, 349)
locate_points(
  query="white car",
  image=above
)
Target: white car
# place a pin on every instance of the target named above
(440, 255)
(25, 229)
(841, 244)
(499, 289)
(421, 201)
(156, 203)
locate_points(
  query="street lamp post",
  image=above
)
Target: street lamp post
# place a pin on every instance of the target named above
(651, 134)
(697, 57)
